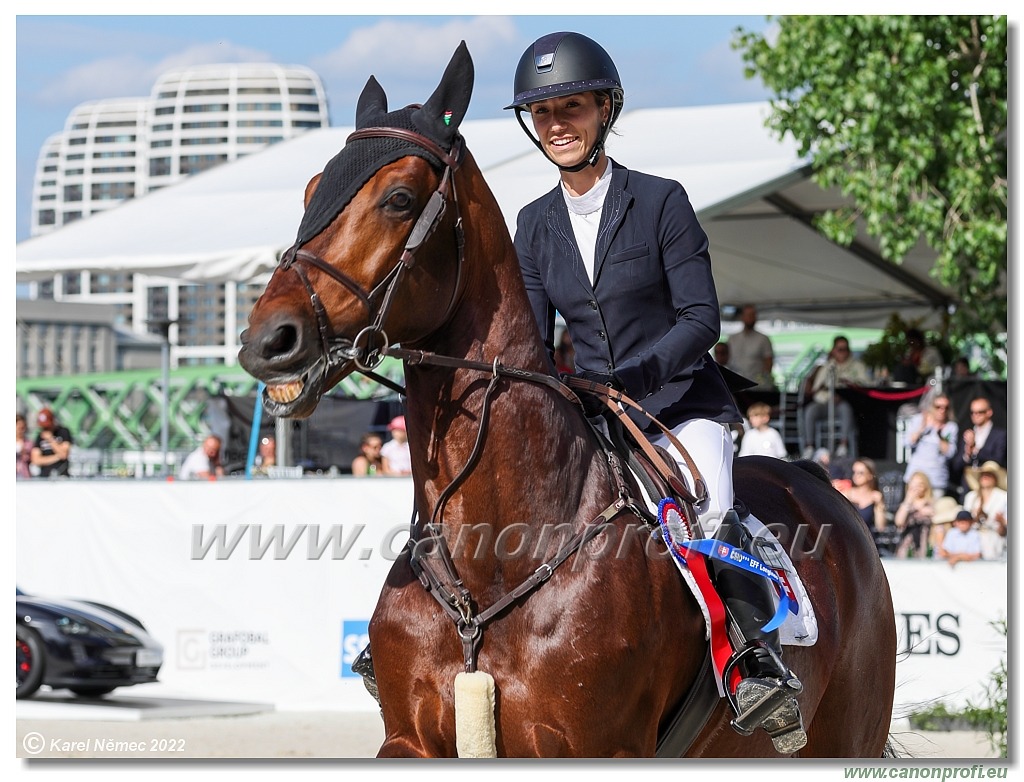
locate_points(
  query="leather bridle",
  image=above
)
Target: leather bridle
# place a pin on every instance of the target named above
(370, 345)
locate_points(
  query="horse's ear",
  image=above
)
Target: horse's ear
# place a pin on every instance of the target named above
(310, 189)
(372, 105)
(445, 109)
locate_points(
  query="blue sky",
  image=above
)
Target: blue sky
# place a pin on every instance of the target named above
(63, 61)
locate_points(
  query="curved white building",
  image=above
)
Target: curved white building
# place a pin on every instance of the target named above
(206, 115)
(196, 118)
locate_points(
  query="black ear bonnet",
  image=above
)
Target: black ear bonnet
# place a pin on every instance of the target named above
(438, 119)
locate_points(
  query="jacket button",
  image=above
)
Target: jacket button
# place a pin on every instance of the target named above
(609, 366)
(601, 334)
(592, 304)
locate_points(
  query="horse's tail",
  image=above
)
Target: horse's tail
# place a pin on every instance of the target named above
(475, 735)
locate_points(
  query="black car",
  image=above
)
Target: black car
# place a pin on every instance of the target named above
(86, 647)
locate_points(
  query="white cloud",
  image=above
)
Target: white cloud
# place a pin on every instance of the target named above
(400, 47)
(133, 75)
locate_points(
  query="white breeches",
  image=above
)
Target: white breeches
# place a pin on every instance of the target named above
(710, 446)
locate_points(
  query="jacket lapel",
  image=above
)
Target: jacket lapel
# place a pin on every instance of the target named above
(558, 222)
(612, 215)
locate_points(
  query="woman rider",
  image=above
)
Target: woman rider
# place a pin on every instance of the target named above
(621, 256)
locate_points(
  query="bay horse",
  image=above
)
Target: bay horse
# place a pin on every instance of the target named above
(403, 250)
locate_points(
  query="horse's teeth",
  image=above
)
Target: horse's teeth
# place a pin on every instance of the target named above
(288, 392)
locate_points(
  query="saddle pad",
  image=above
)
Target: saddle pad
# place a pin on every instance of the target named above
(799, 628)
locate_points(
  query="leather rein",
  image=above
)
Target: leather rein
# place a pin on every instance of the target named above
(429, 555)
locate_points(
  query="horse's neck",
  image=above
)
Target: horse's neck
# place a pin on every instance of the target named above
(537, 459)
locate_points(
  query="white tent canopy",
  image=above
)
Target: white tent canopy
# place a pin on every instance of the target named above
(752, 193)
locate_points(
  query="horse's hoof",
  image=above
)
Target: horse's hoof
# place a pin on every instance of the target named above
(769, 703)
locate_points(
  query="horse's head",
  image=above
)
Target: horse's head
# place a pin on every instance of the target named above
(377, 258)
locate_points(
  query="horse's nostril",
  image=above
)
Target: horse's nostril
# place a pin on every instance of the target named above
(281, 340)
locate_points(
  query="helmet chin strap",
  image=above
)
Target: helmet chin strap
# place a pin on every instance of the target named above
(589, 160)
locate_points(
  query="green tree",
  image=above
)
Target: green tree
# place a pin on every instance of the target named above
(906, 116)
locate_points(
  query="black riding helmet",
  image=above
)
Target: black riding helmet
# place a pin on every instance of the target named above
(563, 64)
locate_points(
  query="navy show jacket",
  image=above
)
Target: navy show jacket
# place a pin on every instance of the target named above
(651, 315)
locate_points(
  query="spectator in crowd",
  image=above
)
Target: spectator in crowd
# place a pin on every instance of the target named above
(565, 354)
(369, 462)
(722, 354)
(22, 447)
(981, 442)
(846, 370)
(395, 456)
(761, 439)
(943, 516)
(205, 462)
(932, 438)
(913, 518)
(51, 451)
(962, 543)
(865, 495)
(266, 455)
(987, 504)
(750, 351)
(961, 369)
(919, 362)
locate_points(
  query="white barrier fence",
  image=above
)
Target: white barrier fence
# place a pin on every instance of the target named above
(261, 590)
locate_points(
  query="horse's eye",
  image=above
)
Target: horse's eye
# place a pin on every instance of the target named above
(399, 201)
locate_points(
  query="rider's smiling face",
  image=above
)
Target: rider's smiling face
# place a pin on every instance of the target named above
(568, 126)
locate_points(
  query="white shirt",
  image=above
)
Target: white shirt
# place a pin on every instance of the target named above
(763, 442)
(398, 456)
(585, 217)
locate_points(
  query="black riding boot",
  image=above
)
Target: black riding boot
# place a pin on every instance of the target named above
(765, 695)
(363, 665)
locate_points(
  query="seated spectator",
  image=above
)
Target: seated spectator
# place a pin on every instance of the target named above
(761, 439)
(846, 371)
(962, 543)
(919, 362)
(22, 447)
(369, 462)
(943, 515)
(204, 463)
(865, 495)
(932, 440)
(266, 456)
(913, 518)
(395, 455)
(961, 369)
(987, 504)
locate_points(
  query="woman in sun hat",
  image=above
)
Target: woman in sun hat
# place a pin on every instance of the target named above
(987, 503)
(943, 517)
(396, 454)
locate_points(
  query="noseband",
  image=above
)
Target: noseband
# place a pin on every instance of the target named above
(370, 345)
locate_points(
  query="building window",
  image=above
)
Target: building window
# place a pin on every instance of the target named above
(202, 142)
(162, 111)
(73, 192)
(48, 197)
(74, 172)
(259, 106)
(112, 191)
(162, 128)
(306, 123)
(47, 216)
(302, 91)
(260, 123)
(70, 217)
(201, 125)
(205, 107)
(193, 164)
(76, 142)
(159, 166)
(305, 107)
(112, 153)
(259, 90)
(160, 144)
(209, 91)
